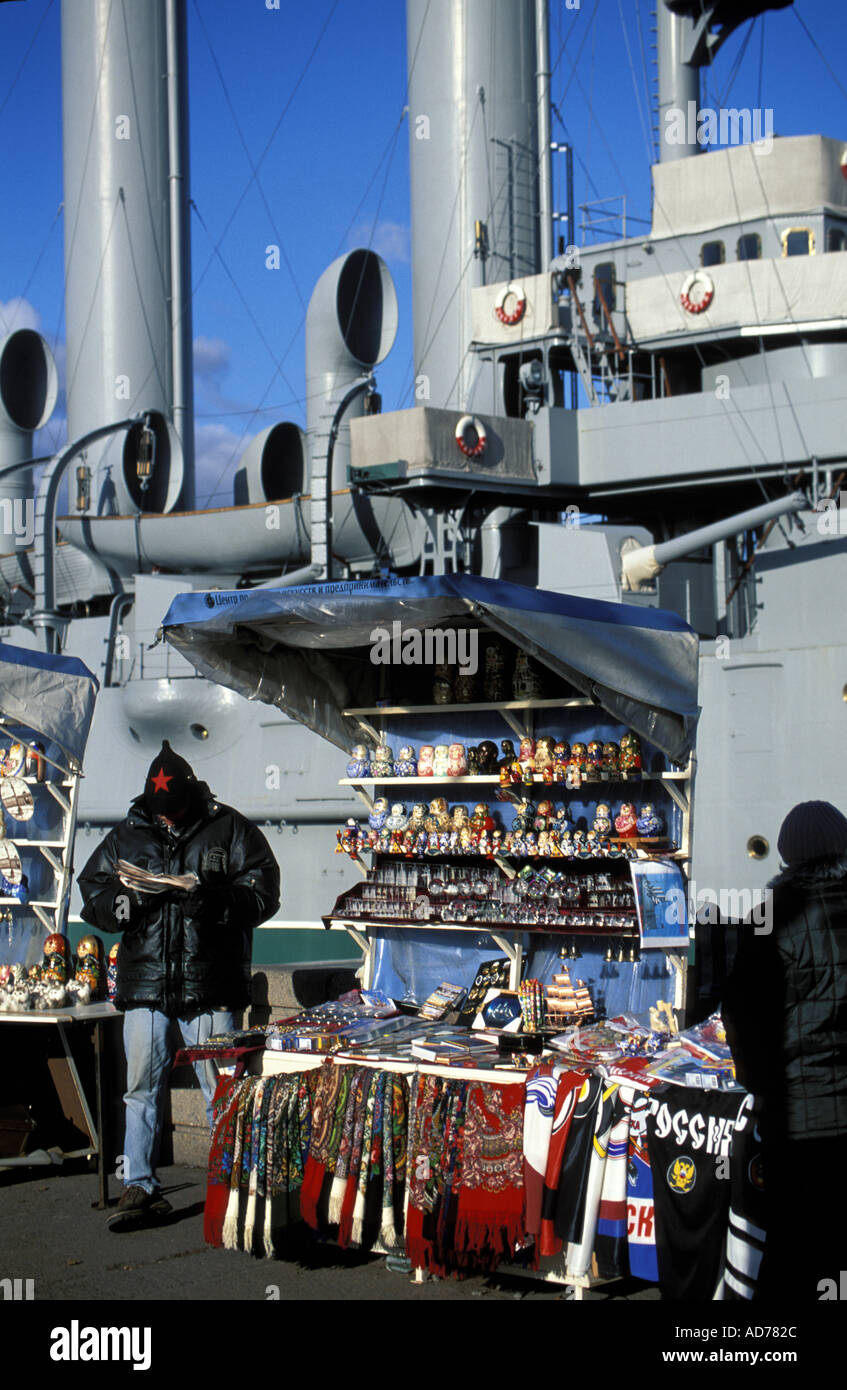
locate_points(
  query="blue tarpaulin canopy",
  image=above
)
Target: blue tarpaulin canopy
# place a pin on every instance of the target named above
(52, 695)
(307, 649)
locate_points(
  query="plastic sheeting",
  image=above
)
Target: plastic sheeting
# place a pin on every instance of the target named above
(307, 649)
(51, 695)
(410, 964)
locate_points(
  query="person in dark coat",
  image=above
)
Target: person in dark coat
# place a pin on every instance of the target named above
(185, 954)
(785, 1011)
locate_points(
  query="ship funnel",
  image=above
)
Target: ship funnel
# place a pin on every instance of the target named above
(273, 467)
(351, 324)
(29, 386)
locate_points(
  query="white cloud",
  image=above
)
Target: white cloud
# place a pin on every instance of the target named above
(217, 450)
(18, 313)
(391, 240)
(211, 359)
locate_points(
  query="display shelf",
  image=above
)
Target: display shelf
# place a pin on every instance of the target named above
(492, 778)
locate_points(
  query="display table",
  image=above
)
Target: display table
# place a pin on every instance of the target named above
(65, 1020)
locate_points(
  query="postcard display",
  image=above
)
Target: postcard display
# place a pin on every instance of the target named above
(520, 864)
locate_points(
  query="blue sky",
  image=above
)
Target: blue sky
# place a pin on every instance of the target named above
(335, 173)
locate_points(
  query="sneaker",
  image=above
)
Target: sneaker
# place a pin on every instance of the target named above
(135, 1204)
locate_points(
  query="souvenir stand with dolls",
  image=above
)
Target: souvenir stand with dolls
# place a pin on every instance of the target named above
(46, 707)
(525, 764)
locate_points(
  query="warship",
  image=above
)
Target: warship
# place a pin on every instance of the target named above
(653, 419)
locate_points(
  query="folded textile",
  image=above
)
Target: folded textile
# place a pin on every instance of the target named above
(490, 1220)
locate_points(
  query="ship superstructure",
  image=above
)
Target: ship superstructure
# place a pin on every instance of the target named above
(654, 419)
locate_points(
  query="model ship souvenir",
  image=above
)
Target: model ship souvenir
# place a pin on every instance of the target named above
(379, 814)
(440, 759)
(89, 966)
(382, 764)
(112, 973)
(494, 673)
(360, 761)
(457, 762)
(406, 764)
(593, 761)
(584, 1006)
(630, 758)
(602, 819)
(526, 682)
(561, 998)
(57, 959)
(610, 768)
(442, 685)
(648, 823)
(425, 760)
(487, 756)
(625, 822)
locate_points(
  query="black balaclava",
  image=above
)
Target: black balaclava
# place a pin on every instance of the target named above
(171, 785)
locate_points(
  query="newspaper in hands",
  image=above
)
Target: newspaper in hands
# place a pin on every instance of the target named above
(142, 881)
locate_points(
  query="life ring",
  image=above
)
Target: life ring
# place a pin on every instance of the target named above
(473, 451)
(699, 280)
(520, 304)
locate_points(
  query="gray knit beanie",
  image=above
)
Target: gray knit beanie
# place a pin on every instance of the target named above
(812, 829)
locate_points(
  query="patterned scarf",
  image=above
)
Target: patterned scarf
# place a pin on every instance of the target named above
(421, 1197)
(345, 1149)
(395, 1122)
(225, 1108)
(491, 1220)
(258, 1156)
(240, 1174)
(328, 1110)
(363, 1092)
(370, 1166)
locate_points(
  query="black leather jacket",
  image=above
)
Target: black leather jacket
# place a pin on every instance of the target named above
(785, 1004)
(184, 953)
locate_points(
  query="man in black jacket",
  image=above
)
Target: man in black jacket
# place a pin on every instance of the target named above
(185, 954)
(785, 1010)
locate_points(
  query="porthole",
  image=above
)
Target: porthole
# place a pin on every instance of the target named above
(199, 731)
(758, 847)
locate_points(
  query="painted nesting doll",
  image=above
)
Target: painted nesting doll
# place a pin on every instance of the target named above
(57, 959)
(112, 973)
(89, 965)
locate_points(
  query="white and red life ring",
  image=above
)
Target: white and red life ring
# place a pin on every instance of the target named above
(520, 304)
(697, 292)
(472, 451)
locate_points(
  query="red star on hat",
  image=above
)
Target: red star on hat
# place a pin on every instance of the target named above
(160, 782)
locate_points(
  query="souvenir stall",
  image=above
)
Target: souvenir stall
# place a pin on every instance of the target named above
(525, 764)
(46, 707)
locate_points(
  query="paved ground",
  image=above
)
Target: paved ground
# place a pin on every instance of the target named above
(50, 1233)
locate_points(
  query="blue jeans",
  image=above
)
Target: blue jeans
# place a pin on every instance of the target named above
(149, 1053)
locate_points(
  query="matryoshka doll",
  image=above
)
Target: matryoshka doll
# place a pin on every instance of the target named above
(425, 758)
(626, 823)
(576, 766)
(406, 764)
(649, 824)
(494, 673)
(602, 820)
(383, 762)
(57, 959)
(487, 757)
(610, 768)
(544, 758)
(526, 758)
(89, 965)
(593, 761)
(440, 759)
(543, 816)
(457, 762)
(561, 758)
(508, 750)
(630, 758)
(442, 685)
(360, 761)
(112, 973)
(379, 814)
